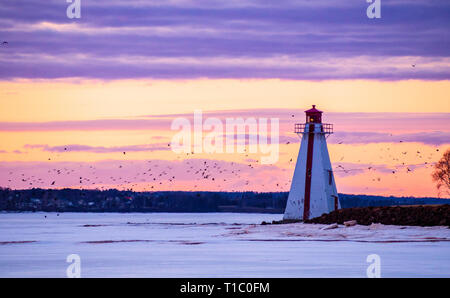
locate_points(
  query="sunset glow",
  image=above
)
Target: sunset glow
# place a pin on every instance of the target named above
(89, 103)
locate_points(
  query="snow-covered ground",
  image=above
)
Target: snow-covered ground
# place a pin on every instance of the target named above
(212, 245)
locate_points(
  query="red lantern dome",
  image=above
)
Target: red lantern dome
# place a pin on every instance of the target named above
(313, 115)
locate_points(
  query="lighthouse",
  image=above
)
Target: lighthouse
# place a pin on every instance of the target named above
(313, 189)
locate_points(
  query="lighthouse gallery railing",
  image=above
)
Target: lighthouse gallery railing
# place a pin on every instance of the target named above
(326, 128)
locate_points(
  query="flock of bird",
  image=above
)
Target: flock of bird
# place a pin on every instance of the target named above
(427, 162)
(152, 175)
(199, 173)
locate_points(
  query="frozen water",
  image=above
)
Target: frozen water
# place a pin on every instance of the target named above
(212, 245)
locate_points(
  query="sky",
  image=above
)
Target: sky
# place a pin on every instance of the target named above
(75, 94)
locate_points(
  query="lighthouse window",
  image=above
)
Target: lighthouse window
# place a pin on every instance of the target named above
(330, 177)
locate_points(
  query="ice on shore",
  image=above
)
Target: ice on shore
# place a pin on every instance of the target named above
(376, 233)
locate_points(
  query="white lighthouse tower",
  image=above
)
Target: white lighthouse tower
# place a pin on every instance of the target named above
(313, 190)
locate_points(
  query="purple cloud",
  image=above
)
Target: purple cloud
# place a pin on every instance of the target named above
(429, 138)
(225, 39)
(100, 149)
(427, 128)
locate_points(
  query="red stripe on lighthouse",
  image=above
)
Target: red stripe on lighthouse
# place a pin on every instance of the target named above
(309, 159)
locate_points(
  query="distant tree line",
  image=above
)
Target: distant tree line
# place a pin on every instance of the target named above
(113, 200)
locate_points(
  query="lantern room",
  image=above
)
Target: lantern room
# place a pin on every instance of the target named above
(313, 115)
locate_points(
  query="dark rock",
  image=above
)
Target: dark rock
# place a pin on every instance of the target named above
(428, 215)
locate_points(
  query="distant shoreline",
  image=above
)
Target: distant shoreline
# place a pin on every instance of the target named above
(113, 200)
